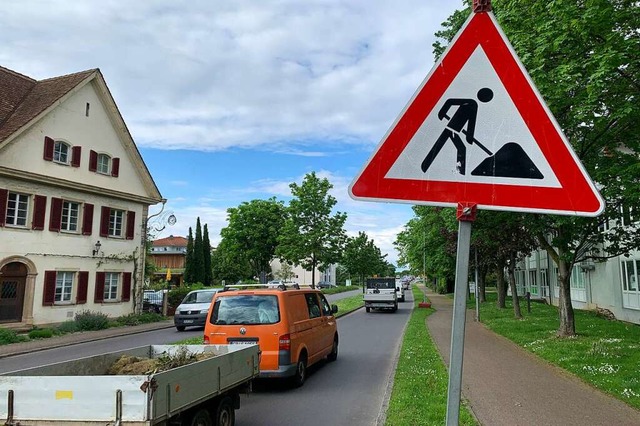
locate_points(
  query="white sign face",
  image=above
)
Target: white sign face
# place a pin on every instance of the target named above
(497, 123)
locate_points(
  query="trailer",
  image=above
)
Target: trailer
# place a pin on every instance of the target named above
(79, 392)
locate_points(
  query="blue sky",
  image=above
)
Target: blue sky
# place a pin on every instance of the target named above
(232, 100)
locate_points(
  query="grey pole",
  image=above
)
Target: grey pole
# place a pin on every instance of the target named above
(457, 329)
(476, 293)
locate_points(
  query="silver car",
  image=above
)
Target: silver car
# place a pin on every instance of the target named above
(192, 311)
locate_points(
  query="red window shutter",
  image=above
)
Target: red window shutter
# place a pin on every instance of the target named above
(76, 154)
(115, 167)
(131, 224)
(83, 285)
(104, 221)
(49, 293)
(4, 194)
(126, 286)
(87, 219)
(55, 216)
(99, 293)
(48, 148)
(39, 210)
(93, 161)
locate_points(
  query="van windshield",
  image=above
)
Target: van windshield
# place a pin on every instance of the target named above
(199, 297)
(246, 309)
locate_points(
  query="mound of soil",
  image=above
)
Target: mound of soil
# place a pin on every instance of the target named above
(133, 365)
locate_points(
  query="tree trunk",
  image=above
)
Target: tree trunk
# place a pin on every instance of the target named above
(514, 290)
(501, 287)
(481, 284)
(567, 321)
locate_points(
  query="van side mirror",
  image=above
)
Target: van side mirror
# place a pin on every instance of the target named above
(334, 309)
(397, 288)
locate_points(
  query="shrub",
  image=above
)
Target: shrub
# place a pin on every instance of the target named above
(10, 336)
(136, 319)
(67, 327)
(88, 320)
(41, 333)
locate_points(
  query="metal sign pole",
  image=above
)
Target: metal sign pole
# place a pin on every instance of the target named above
(476, 292)
(466, 215)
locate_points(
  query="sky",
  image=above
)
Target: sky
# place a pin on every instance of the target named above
(233, 100)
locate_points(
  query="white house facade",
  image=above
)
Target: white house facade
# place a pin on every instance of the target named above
(74, 199)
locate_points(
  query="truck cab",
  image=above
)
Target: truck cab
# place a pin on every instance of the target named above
(381, 293)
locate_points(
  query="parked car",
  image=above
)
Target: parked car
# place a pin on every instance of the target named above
(152, 301)
(192, 311)
(325, 284)
(295, 328)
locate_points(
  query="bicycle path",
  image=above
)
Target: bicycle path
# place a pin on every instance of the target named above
(505, 385)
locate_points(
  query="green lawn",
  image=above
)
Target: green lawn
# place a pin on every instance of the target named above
(604, 353)
(419, 395)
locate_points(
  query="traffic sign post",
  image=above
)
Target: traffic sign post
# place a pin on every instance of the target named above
(477, 134)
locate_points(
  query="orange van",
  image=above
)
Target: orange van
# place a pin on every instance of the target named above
(294, 327)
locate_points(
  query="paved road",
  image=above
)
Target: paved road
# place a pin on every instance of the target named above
(351, 391)
(507, 386)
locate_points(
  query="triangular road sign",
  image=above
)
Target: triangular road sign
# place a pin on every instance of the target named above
(478, 131)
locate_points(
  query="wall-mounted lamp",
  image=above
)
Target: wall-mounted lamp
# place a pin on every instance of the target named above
(96, 250)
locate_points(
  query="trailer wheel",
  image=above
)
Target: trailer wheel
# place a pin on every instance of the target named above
(225, 414)
(202, 418)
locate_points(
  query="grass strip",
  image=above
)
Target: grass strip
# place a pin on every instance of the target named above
(419, 395)
(604, 353)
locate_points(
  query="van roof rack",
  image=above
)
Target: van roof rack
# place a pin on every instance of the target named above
(285, 286)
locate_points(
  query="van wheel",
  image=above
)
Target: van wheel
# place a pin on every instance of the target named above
(180, 327)
(201, 418)
(301, 372)
(368, 309)
(334, 351)
(225, 414)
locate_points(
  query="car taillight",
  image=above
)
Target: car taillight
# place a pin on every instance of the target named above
(206, 340)
(284, 344)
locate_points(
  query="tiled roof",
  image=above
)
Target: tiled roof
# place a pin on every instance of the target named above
(171, 241)
(23, 99)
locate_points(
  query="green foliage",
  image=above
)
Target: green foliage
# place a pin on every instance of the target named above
(206, 251)
(361, 257)
(189, 271)
(137, 319)
(67, 327)
(311, 235)
(198, 256)
(10, 336)
(230, 265)
(89, 320)
(252, 233)
(41, 333)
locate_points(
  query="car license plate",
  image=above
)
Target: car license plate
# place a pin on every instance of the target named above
(243, 342)
(187, 321)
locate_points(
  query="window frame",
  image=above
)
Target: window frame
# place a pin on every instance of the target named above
(57, 152)
(16, 209)
(100, 164)
(66, 212)
(111, 289)
(116, 224)
(65, 286)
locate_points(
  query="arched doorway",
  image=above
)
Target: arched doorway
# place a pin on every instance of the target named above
(13, 278)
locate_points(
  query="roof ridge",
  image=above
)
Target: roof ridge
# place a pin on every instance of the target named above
(89, 71)
(17, 74)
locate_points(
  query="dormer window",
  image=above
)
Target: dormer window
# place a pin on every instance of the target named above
(104, 164)
(61, 152)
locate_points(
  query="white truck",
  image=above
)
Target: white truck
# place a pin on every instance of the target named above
(381, 293)
(79, 392)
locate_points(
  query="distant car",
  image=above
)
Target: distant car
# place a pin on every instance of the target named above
(325, 284)
(152, 301)
(278, 283)
(192, 311)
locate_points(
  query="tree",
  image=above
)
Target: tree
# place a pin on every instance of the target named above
(286, 272)
(228, 266)
(198, 255)
(362, 258)
(206, 251)
(582, 57)
(252, 232)
(311, 236)
(189, 276)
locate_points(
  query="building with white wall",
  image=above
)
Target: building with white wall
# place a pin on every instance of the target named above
(74, 199)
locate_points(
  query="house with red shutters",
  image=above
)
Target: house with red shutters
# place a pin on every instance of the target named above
(74, 200)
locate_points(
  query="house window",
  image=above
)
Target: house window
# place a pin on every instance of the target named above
(104, 164)
(111, 280)
(70, 212)
(630, 270)
(17, 209)
(116, 218)
(64, 287)
(61, 152)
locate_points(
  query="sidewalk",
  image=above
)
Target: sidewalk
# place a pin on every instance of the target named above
(505, 385)
(81, 337)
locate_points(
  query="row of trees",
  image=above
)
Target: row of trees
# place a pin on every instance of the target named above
(306, 232)
(583, 59)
